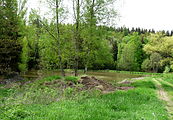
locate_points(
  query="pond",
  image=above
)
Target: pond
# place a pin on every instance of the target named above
(108, 76)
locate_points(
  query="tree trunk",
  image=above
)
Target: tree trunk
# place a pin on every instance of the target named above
(59, 39)
(86, 69)
(91, 26)
(77, 37)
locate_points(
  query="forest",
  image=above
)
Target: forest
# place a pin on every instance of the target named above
(40, 43)
(30, 41)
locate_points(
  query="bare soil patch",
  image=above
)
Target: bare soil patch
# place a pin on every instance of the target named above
(89, 83)
(163, 95)
(84, 83)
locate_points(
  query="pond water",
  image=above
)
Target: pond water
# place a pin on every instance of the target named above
(112, 76)
(108, 76)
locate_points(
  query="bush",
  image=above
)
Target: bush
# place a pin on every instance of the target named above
(167, 69)
(23, 67)
(146, 66)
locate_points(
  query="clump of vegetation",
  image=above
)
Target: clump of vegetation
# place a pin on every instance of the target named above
(117, 105)
(144, 84)
(39, 101)
(16, 113)
(72, 79)
(49, 79)
(167, 77)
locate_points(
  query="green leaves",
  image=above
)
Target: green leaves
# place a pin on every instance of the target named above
(159, 48)
(10, 47)
(130, 53)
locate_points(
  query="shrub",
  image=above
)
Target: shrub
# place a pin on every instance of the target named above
(146, 66)
(167, 69)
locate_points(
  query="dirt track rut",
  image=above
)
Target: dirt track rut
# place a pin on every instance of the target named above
(163, 95)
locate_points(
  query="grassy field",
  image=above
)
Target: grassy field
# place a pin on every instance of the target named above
(36, 101)
(129, 72)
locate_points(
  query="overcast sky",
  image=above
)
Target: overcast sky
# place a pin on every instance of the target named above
(157, 14)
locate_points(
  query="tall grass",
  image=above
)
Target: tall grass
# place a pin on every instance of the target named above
(137, 104)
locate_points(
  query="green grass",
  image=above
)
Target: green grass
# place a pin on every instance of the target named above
(4, 92)
(147, 83)
(167, 83)
(168, 77)
(129, 72)
(50, 78)
(140, 103)
(168, 88)
(132, 105)
(117, 71)
(71, 78)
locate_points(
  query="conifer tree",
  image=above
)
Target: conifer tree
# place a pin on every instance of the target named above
(10, 47)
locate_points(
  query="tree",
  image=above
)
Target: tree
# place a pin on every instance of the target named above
(162, 45)
(58, 11)
(10, 47)
(57, 3)
(155, 59)
(146, 65)
(95, 12)
(34, 30)
(130, 53)
(77, 34)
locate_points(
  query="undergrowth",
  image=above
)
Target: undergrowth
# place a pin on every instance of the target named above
(37, 101)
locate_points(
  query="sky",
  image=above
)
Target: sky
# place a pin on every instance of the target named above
(148, 14)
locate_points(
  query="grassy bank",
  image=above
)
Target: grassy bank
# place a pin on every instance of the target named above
(116, 71)
(39, 101)
(130, 72)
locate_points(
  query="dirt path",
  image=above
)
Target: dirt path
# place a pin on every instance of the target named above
(163, 95)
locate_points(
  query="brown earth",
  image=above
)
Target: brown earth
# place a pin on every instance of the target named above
(85, 83)
(89, 83)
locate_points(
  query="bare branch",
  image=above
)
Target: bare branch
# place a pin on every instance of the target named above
(47, 29)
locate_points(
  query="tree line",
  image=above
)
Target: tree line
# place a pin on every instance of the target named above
(88, 43)
(40, 43)
(143, 50)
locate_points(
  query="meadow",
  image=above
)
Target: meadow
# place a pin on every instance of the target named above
(46, 99)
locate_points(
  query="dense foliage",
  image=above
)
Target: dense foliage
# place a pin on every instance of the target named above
(87, 44)
(10, 47)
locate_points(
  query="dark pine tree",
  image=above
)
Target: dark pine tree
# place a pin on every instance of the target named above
(167, 33)
(153, 31)
(163, 32)
(138, 30)
(132, 30)
(149, 31)
(171, 32)
(125, 31)
(145, 31)
(10, 47)
(142, 31)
